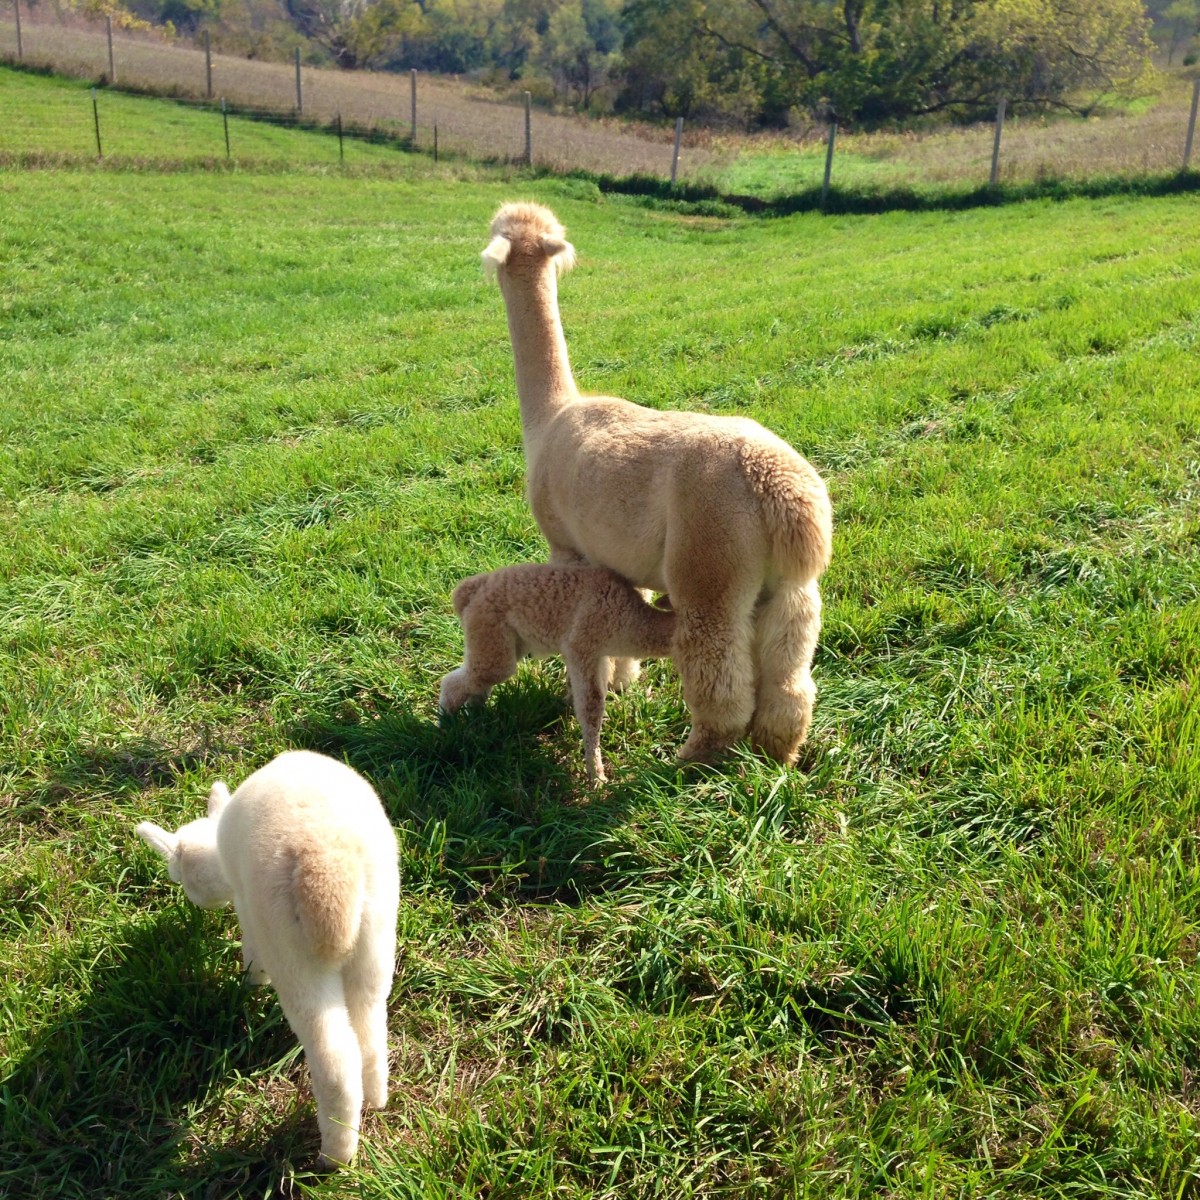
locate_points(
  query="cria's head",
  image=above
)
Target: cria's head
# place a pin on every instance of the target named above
(525, 236)
(191, 853)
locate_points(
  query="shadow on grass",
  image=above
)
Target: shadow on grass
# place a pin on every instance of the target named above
(495, 797)
(107, 1097)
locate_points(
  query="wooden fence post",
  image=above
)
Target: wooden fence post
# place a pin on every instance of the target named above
(528, 133)
(112, 65)
(299, 93)
(207, 65)
(1187, 150)
(96, 119)
(341, 151)
(412, 79)
(20, 48)
(225, 119)
(995, 176)
(675, 156)
(828, 162)
(435, 146)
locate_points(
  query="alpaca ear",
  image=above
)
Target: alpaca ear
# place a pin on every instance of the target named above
(560, 250)
(495, 255)
(218, 797)
(158, 839)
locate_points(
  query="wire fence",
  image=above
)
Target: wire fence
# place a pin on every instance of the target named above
(372, 106)
(449, 118)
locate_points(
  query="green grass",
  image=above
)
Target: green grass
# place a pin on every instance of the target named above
(254, 427)
(51, 117)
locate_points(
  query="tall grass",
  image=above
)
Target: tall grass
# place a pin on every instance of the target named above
(254, 427)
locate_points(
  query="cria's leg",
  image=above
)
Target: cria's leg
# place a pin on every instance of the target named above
(587, 674)
(491, 658)
(368, 980)
(623, 671)
(785, 642)
(252, 939)
(315, 1005)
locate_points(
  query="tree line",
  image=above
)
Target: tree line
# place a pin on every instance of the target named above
(750, 63)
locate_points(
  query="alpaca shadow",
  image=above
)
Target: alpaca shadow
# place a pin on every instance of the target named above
(128, 766)
(494, 797)
(111, 1096)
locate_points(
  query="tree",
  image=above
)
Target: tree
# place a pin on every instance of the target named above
(870, 60)
(579, 47)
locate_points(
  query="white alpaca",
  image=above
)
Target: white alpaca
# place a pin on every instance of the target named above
(306, 855)
(584, 613)
(716, 511)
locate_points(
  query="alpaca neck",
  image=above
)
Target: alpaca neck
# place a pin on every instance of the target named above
(544, 381)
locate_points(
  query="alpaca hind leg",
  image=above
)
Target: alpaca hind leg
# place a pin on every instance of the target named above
(367, 978)
(785, 640)
(713, 653)
(316, 1010)
(491, 658)
(588, 675)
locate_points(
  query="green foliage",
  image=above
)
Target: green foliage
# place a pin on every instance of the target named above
(871, 60)
(254, 427)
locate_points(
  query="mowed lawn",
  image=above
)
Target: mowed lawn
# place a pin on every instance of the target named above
(254, 428)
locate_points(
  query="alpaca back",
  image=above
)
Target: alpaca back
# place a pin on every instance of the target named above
(307, 848)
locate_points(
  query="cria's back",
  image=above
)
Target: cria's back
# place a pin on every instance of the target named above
(308, 850)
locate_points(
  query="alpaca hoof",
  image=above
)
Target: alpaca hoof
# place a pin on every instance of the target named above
(624, 672)
(704, 746)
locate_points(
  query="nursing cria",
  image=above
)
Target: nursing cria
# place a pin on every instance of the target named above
(586, 614)
(307, 857)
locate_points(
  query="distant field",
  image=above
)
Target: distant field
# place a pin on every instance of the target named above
(469, 122)
(255, 425)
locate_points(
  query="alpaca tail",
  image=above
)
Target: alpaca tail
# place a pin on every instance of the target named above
(795, 507)
(329, 892)
(465, 591)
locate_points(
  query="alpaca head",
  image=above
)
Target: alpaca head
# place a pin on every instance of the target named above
(191, 853)
(524, 238)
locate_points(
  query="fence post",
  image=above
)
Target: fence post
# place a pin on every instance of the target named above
(96, 118)
(675, 155)
(207, 64)
(528, 134)
(412, 81)
(1187, 150)
(435, 148)
(995, 176)
(828, 162)
(20, 48)
(225, 119)
(112, 65)
(299, 93)
(341, 151)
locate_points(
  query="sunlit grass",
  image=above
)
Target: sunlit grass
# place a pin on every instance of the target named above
(254, 427)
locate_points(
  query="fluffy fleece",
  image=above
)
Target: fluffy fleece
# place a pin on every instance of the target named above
(586, 614)
(306, 855)
(717, 511)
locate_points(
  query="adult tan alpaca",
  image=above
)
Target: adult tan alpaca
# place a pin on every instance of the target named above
(586, 614)
(716, 511)
(306, 855)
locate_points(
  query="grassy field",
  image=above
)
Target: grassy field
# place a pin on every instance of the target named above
(253, 428)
